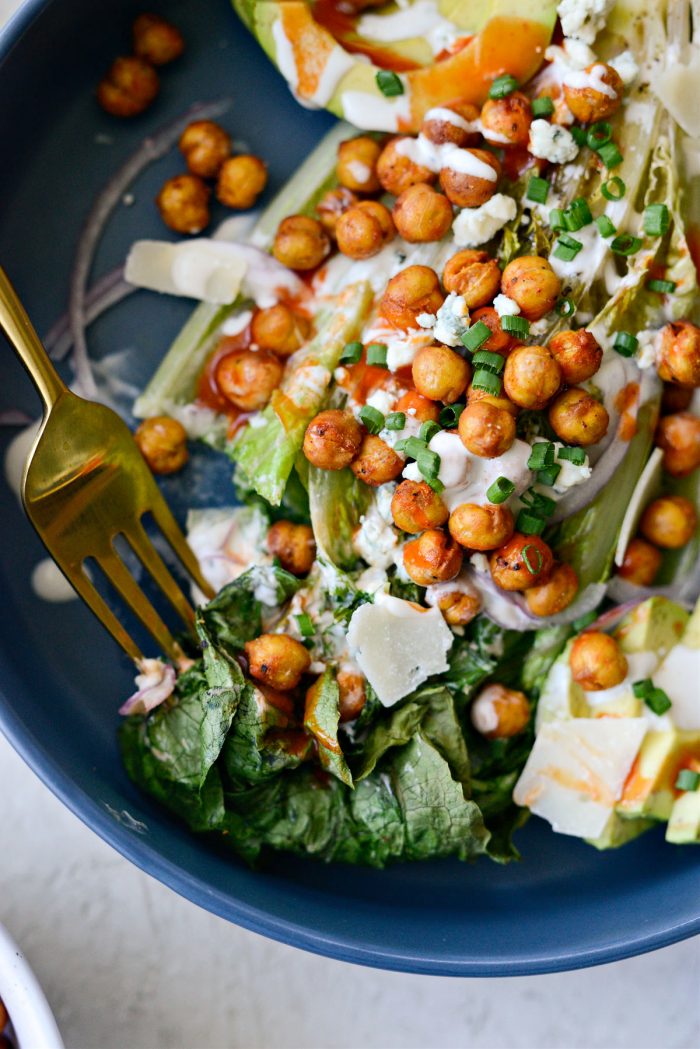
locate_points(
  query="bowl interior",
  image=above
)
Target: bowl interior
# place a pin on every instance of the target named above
(565, 905)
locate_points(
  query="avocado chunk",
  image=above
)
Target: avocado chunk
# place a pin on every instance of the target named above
(656, 625)
(619, 831)
(502, 36)
(679, 676)
(684, 824)
(650, 787)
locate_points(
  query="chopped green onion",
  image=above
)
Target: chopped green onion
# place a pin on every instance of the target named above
(664, 287)
(579, 135)
(542, 455)
(657, 701)
(372, 418)
(529, 524)
(396, 421)
(625, 244)
(435, 483)
(687, 780)
(306, 627)
(577, 215)
(577, 456)
(542, 107)
(428, 463)
(526, 558)
(428, 430)
(476, 336)
(412, 446)
(614, 188)
(585, 620)
(376, 354)
(644, 688)
(503, 86)
(567, 248)
(492, 362)
(486, 381)
(549, 475)
(389, 83)
(500, 490)
(625, 343)
(610, 155)
(352, 352)
(449, 415)
(556, 219)
(598, 134)
(515, 325)
(656, 220)
(538, 503)
(605, 227)
(537, 189)
(566, 307)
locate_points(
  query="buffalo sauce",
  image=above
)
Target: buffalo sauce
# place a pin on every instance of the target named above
(208, 393)
(625, 402)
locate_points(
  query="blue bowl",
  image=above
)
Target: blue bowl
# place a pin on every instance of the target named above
(62, 679)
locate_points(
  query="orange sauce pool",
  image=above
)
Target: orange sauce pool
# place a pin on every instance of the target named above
(625, 402)
(208, 393)
(341, 25)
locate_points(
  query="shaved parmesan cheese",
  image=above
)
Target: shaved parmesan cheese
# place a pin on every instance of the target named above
(198, 269)
(677, 89)
(397, 645)
(679, 677)
(576, 772)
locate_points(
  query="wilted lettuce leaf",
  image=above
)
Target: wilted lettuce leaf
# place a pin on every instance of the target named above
(321, 716)
(486, 651)
(258, 746)
(234, 615)
(337, 501)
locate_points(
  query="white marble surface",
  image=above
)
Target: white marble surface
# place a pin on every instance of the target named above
(127, 964)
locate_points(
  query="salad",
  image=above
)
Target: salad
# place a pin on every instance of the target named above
(454, 364)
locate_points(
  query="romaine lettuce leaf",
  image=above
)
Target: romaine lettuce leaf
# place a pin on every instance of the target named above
(337, 501)
(321, 716)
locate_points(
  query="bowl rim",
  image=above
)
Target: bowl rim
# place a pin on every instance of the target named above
(148, 859)
(30, 1014)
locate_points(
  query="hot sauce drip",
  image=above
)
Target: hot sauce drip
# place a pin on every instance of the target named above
(341, 25)
(208, 393)
(625, 402)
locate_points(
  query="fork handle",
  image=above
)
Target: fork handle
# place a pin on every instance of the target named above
(27, 344)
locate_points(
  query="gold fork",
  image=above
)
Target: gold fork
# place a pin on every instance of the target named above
(86, 483)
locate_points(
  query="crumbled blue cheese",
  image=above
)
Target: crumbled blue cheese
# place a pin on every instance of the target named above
(648, 348)
(584, 19)
(626, 67)
(376, 540)
(505, 307)
(475, 226)
(397, 645)
(570, 474)
(452, 320)
(551, 142)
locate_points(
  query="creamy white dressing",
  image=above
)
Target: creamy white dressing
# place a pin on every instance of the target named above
(445, 155)
(401, 346)
(49, 583)
(448, 116)
(640, 665)
(420, 19)
(591, 78)
(373, 113)
(588, 258)
(237, 323)
(360, 172)
(284, 53)
(482, 712)
(338, 63)
(475, 226)
(375, 541)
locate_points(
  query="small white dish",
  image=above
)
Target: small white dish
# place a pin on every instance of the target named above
(32, 1021)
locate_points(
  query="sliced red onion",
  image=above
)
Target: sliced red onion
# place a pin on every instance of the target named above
(15, 417)
(498, 604)
(615, 451)
(589, 599)
(152, 149)
(154, 684)
(685, 591)
(610, 619)
(105, 293)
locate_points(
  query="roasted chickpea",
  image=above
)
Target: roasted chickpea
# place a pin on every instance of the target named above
(357, 163)
(669, 522)
(679, 354)
(205, 146)
(421, 214)
(352, 694)
(332, 439)
(459, 607)
(486, 430)
(531, 376)
(481, 527)
(301, 243)
(376, 463)
(455, 124)
(128, 88)
(470, 191)
(679, 437)
(183, 203)
(641, 562)
(411, 292)
(499, 341)
(481, 396)
(277, 660)
(675, 398)
(247, 378)
(531, 282)
(332, 205)
(364, 229)
(506, 121)
(162, 442)
(241, 181)
(555, 594)
(280, 329)
(433, 557)
(499, 712)
(440, 373)
(577, 353)
(474, 276)
(293, 544)
(524, 561)
(597, 662)
(157, 41)
(396, 171)
(578, 418)
(415, 507)
(418, 407)
(589, 102)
